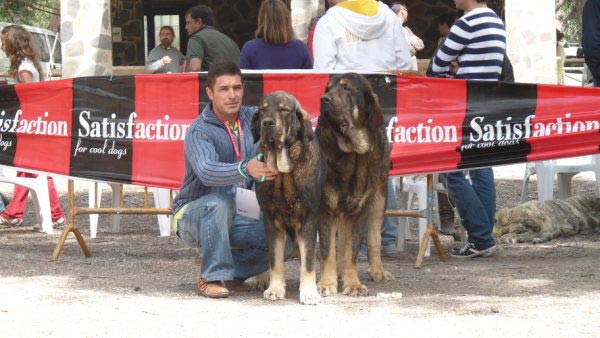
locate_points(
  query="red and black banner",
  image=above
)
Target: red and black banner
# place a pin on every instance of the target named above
(130, 129)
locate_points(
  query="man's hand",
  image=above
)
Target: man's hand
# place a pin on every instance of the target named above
(194, 65)
(166, 60)
(257, 169)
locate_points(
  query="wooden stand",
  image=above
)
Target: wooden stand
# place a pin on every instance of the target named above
(73, 211)
(431, 231)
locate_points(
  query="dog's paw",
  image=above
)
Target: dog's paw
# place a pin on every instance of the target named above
(380, 276)
(259, 282)
(508, 239)
(274, 293)
(310, 296)
(356, 290)
(326, 289)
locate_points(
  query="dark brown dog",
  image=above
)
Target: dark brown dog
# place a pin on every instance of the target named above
(352, 136)
(291, 201)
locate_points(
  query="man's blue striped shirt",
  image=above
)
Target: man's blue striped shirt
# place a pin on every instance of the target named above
(478, 41)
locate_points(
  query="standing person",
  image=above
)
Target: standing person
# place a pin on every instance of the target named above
(18, 45)
(360, 35)
(478, 41)
(414, 42)
(206, 44)
(275, 45)
(165, 58)
(443, 23)
(591, 38)
(219, 151)
(560, 58)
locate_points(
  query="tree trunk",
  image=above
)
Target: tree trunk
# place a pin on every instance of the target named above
(54, 24)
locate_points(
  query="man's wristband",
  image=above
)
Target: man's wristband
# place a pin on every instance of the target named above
(242, 170)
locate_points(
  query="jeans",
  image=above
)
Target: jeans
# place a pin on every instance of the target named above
(389, 228)
(475, 201)
(232, 246)
(17, 206)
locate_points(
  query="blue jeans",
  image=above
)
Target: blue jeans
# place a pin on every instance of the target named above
(475, 201)
(389, 228)
(232, 246)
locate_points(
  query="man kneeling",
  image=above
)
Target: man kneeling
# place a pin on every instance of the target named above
(218, 145)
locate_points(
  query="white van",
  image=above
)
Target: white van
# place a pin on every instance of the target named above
(51, 54)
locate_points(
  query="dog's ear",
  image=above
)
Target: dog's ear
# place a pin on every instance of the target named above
(305, 132)
(255, 124)
(373, 110)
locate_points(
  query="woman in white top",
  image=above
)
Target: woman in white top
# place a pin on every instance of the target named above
(414, 42)
(25, 67)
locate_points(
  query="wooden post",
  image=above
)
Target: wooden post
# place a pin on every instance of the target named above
(71, 228)
(431, 231)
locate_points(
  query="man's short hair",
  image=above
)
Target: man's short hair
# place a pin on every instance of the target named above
(222, 67)
(445, 19)
(202, 12)
(167, 27)
(397, 6)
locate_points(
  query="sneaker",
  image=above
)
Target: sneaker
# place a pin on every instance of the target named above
(386, 251)
(470, 250)
(59, 223)
(13, 222)
(389, 250)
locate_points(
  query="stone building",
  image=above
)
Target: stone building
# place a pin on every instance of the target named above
(101, 34)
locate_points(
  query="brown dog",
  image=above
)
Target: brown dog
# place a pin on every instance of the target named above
(291, 201)
(352, 136)
(539, 222)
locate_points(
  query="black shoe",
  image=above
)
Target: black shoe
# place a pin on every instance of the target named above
(470, 250)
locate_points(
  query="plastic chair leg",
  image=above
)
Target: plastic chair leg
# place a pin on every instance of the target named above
(564, 184)
(117, 190)
(94, 194)
(41, 203)
(162, 200)
(545, 181)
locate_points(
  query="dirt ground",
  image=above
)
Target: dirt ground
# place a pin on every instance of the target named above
(139, 284)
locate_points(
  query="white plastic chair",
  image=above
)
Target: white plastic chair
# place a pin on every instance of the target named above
(564, 170)
(38, 187)
(161, 200)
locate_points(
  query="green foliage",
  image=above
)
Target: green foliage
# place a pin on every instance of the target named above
(568, 14)
(27, 12)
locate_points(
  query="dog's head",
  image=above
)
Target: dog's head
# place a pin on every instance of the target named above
(282, 127)
(521, 219)
(352, 110)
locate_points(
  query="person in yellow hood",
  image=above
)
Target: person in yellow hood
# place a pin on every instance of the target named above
(360, 35)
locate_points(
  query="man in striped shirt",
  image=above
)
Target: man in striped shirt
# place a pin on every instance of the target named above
(478, 41)
(219, 157)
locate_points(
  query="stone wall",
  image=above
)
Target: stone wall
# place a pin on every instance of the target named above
(302, 13)
(128, 16)
(531, 40)
(86, 38)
